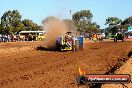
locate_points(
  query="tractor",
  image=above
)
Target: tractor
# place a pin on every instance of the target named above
(68, 43)
(119, 36)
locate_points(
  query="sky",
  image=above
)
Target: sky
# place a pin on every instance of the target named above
(37, 10)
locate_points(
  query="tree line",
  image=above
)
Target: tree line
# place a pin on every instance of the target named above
(115, 23)
(12, 23)
(81, 21)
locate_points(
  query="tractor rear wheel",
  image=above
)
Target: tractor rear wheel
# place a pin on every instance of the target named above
(73, 48)
(59, 48)
(115, 39)
(122, 39)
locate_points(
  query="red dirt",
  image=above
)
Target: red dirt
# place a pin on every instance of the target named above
(21, 66)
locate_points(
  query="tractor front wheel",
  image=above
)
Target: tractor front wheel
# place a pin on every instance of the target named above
(122, 40)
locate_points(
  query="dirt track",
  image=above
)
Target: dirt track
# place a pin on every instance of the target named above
(21, 66)
(125, 69)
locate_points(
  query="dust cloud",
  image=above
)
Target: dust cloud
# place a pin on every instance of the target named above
(54, 29)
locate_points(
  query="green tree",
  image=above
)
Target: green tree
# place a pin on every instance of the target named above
(40, 28)
(83, 15)
(92, 28)
(30, 25)
(113, 24)
(113, 21)
(127, 21)
(10, 21)
(83, 21)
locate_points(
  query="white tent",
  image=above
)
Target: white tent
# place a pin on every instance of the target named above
(22, 32)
